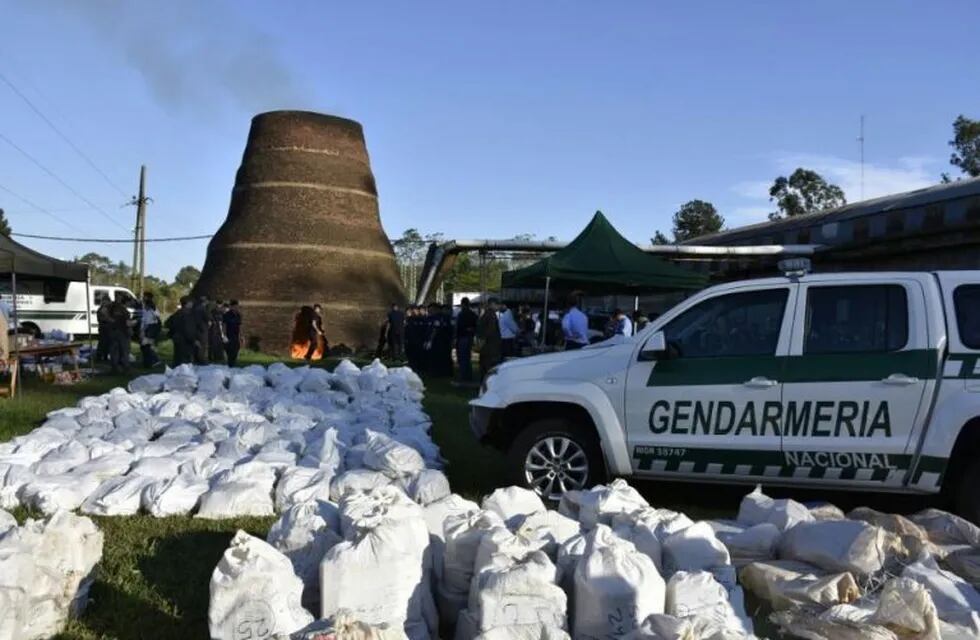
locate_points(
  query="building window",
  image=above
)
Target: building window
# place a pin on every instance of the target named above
(856, 319)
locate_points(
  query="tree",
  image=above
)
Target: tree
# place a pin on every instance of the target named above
(187, 277)
(659, 238)
(4, 225)
(696, 218)
(805, 191)
(966, 141)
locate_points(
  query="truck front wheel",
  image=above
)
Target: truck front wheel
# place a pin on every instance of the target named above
(552, 455)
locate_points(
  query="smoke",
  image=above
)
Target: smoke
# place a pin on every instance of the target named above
(196, 56)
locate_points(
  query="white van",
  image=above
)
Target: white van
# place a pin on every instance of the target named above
(45, 306)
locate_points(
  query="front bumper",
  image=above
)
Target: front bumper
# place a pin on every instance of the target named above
(480, 420)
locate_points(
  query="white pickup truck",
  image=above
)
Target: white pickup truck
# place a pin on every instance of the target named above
(867, 381)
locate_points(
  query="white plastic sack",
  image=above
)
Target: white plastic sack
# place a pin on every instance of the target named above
(513, 503)
(600, 504)
(519, 592)
(694, 549)
(148, 384)
(548, 530)
(50, 494)
(346, 626)
(245, 490)
(759, 542)
(536, 631)
(615, 587)
(786, 584)
(175, 496)
(956, 600)
(463, 534)
(302, 484)
(757, 508)
(698, 595)
(305, 533)
(906, 608)
(836, 545)
(355, 481)
(118, 496)
(391, 458)
(381, 574)
(429, 486)
(254, 593)
(945, 528)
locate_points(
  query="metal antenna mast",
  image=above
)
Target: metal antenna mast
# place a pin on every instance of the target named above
(861, 145)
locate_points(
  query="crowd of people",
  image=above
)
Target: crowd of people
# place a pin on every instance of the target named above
(201, 330)
(210, 331)
(426, 336)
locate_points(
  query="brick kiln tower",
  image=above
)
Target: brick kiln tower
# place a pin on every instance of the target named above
(303, 227)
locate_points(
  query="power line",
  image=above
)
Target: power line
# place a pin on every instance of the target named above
(62, 135)
(39, 208)
(60, 181)
(111, 240)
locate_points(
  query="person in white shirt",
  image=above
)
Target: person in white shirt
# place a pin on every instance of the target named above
(508, 331)
(624, 326)
(575, 326)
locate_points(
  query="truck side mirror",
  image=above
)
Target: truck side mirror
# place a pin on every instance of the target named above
(655, 347)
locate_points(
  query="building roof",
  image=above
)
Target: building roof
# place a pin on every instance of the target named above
(787, 230)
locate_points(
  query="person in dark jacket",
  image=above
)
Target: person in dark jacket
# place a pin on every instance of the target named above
(182, 328)
(202, 322)
(104, 319)
(441, 351)
(216, 332)
(465, 333)
(396, 333)
(488, 333)
(232, 320)
(119, 340)
(415, 333)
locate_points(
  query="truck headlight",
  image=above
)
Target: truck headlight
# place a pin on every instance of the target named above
(486, 381)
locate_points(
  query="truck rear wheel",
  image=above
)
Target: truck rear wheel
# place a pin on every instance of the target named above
(553, 455)
(968, 493)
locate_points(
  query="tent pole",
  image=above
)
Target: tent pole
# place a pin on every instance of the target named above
(13, 289)
(544, 316)
(88, 316)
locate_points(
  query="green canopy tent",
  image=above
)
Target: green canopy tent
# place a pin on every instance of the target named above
(600, 260)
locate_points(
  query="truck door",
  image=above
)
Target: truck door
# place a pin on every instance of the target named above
(855, 380)
(711, 407)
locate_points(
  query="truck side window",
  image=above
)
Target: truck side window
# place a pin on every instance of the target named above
(858, 318)
(966, 299)
(737, 324)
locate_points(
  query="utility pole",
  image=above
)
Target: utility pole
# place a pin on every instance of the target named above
(139, 235)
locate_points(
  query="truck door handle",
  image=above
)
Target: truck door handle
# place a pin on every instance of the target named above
(760, 382)
(900, 380)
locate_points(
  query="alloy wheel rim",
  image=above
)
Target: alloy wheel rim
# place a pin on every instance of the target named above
(554, 465)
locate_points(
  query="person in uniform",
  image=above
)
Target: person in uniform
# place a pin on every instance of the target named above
(119, 340)
(396, 333)
(216, 332)
(508, 331)
(232, 320)
(465, 333)
(488, 333)
(413, 338)
(104, 319)
(181, 327)
(575, 326)
(442, 342)
(202, 322)
(149, 331)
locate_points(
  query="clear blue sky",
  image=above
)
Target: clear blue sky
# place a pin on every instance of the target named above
(483, 119)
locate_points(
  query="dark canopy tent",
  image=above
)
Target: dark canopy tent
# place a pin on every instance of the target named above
(16, 258)
(17, 261)
(600, 260)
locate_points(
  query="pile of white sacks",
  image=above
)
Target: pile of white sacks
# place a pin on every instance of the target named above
(46, 569)
(384, 563)
(222, 443)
